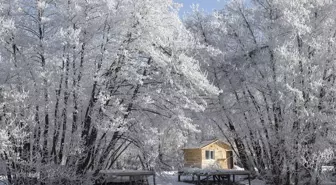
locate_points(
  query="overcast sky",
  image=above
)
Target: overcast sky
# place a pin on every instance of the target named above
(207, 5)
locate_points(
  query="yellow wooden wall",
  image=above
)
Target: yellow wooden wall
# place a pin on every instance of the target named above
(220, 155)
(197, 158)
(193, 158)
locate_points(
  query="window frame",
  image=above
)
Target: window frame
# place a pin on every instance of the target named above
(210, 154)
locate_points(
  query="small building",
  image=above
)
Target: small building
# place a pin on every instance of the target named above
(209, 153)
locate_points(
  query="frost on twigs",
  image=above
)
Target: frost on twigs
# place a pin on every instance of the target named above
(93, 85)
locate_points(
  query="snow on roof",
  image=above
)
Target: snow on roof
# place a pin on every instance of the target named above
(201, 144)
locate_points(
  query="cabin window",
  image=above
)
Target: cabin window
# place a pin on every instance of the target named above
(209, 154)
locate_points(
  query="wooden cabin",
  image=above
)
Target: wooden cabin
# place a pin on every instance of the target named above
(209, 153)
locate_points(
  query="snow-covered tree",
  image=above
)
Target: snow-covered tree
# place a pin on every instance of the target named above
(276, 72)
(83, 81)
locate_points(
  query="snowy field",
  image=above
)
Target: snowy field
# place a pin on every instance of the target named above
(170, 178)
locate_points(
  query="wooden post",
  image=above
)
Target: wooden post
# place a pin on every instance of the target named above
(179, 177)
(193, 178)
(130, 180)
(233, 178)
(154, 179)
(249, 179)
(198, 179)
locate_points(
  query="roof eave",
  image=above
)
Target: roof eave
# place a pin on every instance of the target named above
(209, 143)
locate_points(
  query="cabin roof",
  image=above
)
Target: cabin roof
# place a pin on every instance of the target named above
(202, 144)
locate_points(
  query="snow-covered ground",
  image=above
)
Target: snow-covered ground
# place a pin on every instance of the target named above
(170, 178)
(328, 183)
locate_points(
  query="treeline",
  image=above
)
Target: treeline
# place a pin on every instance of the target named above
(275, 62)
(81, 82)
(108, 84)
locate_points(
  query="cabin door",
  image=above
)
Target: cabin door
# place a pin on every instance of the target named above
(229, 159)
